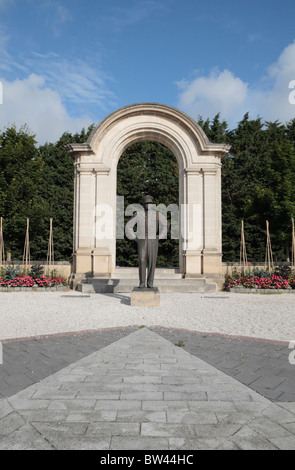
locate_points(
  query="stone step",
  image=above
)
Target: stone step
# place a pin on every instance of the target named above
(160, 273)
(95, 285)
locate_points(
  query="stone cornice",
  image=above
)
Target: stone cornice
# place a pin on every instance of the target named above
(77, 149)
(92, 169)
(150, 109)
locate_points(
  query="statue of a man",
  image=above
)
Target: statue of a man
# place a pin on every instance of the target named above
(151, 226)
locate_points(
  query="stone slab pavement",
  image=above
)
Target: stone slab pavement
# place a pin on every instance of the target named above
(142, 392)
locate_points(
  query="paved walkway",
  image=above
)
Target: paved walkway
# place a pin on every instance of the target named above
(141, 392)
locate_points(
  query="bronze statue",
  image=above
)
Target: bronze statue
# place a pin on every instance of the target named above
(151, 226)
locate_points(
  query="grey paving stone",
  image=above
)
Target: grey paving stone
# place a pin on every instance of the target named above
(49, 394)
(47, 415)
(80, 443)
(192, 417)
(197, 395)
(283, 443)
(181, 444)
(61, 427)
(87, 416)
(247, 439)
(141, 416)
(268, 382)
(163, 405)
(139, 443)
(167, 430)
(25, 438)
(27, 404)
(287, 396)
(5, 408)
(142, 396)
(113, 429)
(80, 404)
(222, 432)
(118, 405)
(267, 427)
(11, 422)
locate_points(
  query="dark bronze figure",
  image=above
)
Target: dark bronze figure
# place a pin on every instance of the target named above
(151, 226)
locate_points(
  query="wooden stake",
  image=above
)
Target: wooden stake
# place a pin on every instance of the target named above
(293, 245)
(243, 252)
(26, 256)
(50, 252)
(268, 254)
(2, 254)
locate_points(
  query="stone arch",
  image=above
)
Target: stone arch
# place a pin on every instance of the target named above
(199, 164)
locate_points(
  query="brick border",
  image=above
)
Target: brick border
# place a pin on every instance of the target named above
(81, 332)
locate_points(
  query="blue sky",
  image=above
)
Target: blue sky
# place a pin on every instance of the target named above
(65, 64)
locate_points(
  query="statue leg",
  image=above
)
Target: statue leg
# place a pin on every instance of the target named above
(142, 255)
(152, 261)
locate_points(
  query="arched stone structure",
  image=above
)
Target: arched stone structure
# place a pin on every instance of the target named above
(199, 187)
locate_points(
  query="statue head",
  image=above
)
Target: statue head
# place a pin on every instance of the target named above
(147, 200)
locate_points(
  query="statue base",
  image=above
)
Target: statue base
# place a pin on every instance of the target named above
(145, 297)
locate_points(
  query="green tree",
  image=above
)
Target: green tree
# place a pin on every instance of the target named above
(216, 130)
(21, 170)
(242, 169)
(257, 185)
(58, 190)
(274, 198)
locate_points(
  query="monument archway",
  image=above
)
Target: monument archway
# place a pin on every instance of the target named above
(95, 201)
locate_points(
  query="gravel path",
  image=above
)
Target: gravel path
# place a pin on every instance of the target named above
(25, 315)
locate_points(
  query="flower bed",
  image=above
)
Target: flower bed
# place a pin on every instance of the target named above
(270, 282)
(29, 281)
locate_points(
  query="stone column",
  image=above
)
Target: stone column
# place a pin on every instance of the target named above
(212, 255)
(104, 228)
(192, 222)
(84, 219)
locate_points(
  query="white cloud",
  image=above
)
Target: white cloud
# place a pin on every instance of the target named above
(276, 104)
(53, 91)
(223, 92)
(29, 102)
(207, 96)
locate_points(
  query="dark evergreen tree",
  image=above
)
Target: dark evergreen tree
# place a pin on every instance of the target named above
(273, 197)
(58, 190)
(21, 172)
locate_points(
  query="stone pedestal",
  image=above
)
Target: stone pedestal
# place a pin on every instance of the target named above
(145, 297)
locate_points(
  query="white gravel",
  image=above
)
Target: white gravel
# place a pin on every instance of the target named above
(25, 315)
